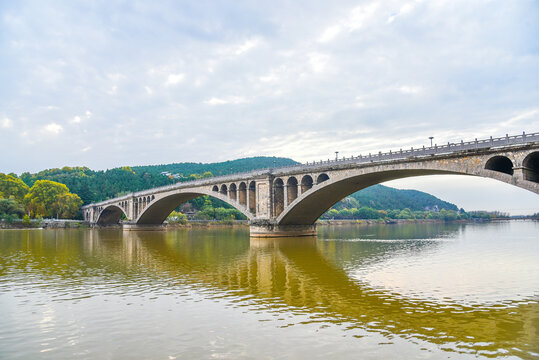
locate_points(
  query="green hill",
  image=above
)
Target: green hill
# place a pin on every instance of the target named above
(382, 197)
(217, 169)
(93, 186)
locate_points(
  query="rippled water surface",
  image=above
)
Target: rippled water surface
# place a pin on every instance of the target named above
(388, 291)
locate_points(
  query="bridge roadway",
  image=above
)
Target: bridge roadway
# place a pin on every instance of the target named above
(287, 201)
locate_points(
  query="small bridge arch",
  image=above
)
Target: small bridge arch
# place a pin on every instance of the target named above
(110, 215)
(159, 209)
(530, 166)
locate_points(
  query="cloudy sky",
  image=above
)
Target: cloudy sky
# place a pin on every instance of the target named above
(111, 83)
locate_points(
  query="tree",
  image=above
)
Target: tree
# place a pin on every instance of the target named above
(9, 208)
(177, 217)
(66, 205)
(48, 198)
(11, 186)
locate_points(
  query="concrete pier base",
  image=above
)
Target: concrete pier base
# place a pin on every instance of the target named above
(270, 230)
(135, 227)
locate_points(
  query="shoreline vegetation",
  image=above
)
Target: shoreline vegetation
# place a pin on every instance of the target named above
(198, 224)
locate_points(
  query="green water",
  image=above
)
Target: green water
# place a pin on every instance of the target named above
(388, 291)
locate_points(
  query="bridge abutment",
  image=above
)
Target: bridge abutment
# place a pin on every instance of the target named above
(273, 230)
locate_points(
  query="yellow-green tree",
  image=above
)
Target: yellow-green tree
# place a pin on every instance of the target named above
(51, 199)
(12, 187)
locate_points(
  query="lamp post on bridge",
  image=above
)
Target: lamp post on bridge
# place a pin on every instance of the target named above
(336, 155)
(431, 137)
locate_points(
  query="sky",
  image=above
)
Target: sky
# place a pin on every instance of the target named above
(111, 83)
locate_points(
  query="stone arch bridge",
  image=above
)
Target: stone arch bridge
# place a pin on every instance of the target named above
(287, 201)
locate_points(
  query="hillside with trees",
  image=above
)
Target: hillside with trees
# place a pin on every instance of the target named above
(382, 197)
(220, 168)
(94, 186)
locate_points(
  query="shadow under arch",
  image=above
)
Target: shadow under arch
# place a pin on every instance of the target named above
(160, 209)
(110, 215)
(308, 207)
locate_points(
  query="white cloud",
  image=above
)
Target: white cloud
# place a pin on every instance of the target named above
(330, 33)
(173, 79)
(113, 90)
(149, 90)
(78, 119)
(7, 123)
(407, 89)
(525, 116)
(359, 17)
(269, 78)
(116, 77)
(87, 148)
(53, 128)
(318, 61)
(223, 101)
(246, 46)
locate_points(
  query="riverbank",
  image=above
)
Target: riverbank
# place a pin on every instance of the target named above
(44, 224)
(76, 224)
(386, 221)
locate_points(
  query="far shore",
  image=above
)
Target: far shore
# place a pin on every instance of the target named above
(77, 224)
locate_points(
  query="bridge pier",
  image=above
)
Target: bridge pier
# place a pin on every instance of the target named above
(272, 230)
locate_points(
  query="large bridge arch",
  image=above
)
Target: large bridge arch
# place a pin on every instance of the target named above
(110, 215)
(311, 204)
(159, 209)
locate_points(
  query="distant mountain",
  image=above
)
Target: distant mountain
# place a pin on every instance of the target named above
(93, 186)
(382, 197)
(220, 168)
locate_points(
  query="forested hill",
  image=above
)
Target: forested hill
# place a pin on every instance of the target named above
(93, 186)
(217, 169)
(382, 197)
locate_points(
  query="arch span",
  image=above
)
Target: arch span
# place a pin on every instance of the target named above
(531, 167)
(291, 189)
(278, 196)
(309, 206)
(110, 215)
(158, 210)
(232, 191)
(321, 178)
(306, 183)
(501, 164)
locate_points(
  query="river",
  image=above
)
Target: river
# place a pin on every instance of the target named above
(428, 291)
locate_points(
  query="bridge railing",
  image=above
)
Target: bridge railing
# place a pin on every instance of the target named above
(435, 149)
(370, 158)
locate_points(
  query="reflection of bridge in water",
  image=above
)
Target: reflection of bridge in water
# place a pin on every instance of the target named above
(299, 276)
(287, 201)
